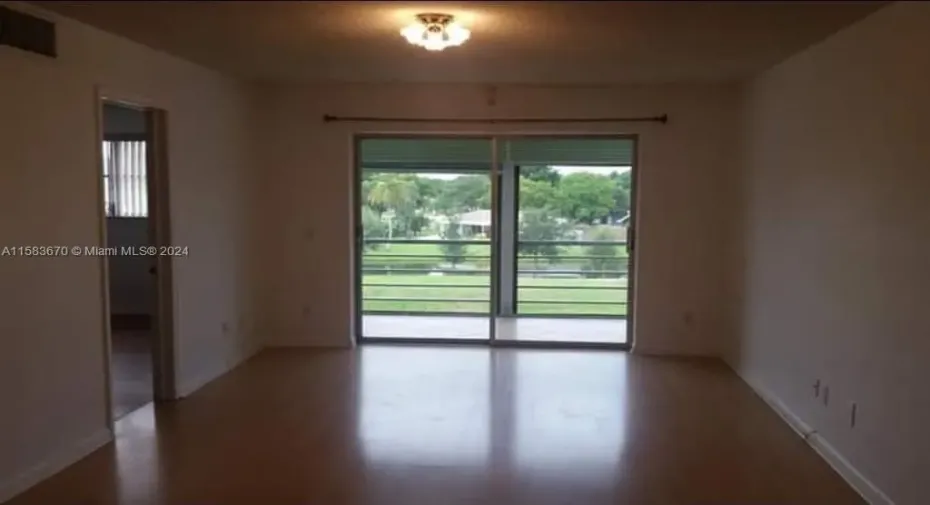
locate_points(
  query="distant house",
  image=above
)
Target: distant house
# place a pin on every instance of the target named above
(476, 222)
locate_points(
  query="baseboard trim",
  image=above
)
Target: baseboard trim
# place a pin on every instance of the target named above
(872, 493)
(54, 464)
(862, 485)
(660, 352)
(190, 387)
(297, 343)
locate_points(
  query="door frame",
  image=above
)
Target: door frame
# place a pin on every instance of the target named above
(164, 348)
(495, 175)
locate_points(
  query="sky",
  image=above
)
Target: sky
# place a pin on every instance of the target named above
(562, 169)
(568, 169)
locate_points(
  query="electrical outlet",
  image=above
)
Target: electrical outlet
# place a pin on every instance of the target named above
(826, 395)
(853, 411)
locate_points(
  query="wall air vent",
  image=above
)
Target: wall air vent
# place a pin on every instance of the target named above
(26, 32)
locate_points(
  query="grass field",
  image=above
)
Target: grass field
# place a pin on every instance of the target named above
(470, 293)
(430, 256)
(472, 251)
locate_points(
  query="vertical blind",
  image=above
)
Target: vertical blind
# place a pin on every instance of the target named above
(124, 177)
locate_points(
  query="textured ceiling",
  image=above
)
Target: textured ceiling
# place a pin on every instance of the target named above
(512, 42)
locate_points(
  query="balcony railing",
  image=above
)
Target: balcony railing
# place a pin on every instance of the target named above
(553, 278)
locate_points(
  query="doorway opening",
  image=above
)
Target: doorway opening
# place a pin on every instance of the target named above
(503, 240)
(137, 279)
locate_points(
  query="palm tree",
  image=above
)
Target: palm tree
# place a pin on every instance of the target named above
(393, 193)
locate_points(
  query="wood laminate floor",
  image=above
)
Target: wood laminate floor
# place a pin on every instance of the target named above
(132, 370)
(399, 425)
(522, 329)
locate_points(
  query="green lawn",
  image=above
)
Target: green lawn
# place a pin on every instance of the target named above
(472, 249)
(415, 255)
(464, 288)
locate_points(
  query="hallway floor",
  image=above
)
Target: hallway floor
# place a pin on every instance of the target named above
(132, 370)
(407, 425)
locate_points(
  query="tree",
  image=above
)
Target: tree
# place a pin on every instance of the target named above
(414, 224)
(393, 192)
(622, 188)
(585, 197)
(540, 173)
(453, 251)
(372, 226)
(623, 179)
(538, 226)
(464, 193)
(398, 194)
(621, 202)
(428, 189)
(603, 256)
(536, 194)
(365, 190)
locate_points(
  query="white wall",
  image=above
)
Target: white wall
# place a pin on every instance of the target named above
(837, 242)
(307, 182)
(51, 317)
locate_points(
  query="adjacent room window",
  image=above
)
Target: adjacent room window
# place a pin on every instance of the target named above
(124, 178)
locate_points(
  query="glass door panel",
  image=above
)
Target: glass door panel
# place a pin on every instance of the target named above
(570, 267)
(425, 238)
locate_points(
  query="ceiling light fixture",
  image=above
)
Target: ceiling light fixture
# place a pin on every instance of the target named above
(435, 32)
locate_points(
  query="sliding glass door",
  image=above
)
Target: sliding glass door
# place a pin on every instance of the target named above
(425, 229)
(509, 240)
(569, 268)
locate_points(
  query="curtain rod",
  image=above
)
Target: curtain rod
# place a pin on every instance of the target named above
(374, 119)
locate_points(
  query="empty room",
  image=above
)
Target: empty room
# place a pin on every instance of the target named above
(464, 253)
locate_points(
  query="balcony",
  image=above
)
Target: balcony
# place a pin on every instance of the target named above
(562, 291)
